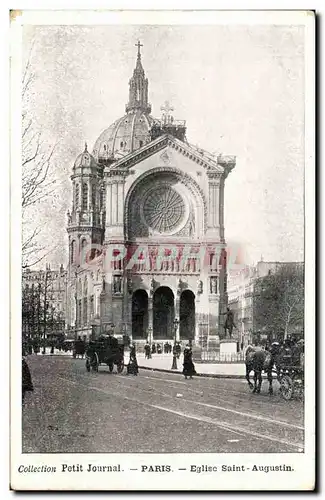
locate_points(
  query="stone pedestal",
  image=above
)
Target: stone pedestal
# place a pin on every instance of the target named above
(228, 346)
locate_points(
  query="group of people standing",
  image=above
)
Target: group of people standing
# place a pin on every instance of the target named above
(176, 349)
(167, 348)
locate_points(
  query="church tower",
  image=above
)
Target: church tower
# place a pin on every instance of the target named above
(138, 88)
(87, 218)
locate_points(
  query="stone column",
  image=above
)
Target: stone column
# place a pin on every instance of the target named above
(214, 186)
(114, 204)
(120, 197)
(108, 203)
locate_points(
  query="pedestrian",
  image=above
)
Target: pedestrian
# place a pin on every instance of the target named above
(188, 365)
(132, 368)
(159, 349)
(27, 384)
(178, 350)
(153, 348)
(36, 347)
(147, 350)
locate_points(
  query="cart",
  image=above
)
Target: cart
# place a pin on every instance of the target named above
(105, 350)
(290, 374)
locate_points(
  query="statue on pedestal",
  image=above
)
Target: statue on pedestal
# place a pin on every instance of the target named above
(229, 323)
(117, 284)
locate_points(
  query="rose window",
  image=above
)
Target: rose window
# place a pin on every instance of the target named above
(163, 209)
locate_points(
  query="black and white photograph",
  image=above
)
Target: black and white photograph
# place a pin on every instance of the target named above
(162, 173)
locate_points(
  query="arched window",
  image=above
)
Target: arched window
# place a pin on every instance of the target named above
(84, 196)
(72, 252)
(83, 250)
(77, 197)
(93, 196)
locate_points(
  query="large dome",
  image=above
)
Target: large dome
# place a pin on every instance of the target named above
(124, 135)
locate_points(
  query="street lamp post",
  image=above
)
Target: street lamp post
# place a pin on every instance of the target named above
(174, 365)
(150, 339)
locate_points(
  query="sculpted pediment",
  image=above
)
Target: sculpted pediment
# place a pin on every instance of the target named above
(168, 151)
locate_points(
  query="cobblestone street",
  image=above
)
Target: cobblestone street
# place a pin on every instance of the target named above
(74, 411)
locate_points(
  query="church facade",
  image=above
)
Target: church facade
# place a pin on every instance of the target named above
(147, 251)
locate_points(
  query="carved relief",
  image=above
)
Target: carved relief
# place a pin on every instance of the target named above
(166, 157)
(117, 284)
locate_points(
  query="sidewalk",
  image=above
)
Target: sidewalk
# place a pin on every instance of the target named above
(163, 362)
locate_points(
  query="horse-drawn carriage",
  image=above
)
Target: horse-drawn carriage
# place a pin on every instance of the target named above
(286, 361)
(289, 367)
(105, 350)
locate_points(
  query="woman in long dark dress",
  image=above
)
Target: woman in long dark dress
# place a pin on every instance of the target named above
(27, 384)
(188, 365)
(132, 367)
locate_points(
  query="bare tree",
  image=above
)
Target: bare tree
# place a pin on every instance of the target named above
(279, 301)
(37, 184)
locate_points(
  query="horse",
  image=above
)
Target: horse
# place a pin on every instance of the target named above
(259, 360)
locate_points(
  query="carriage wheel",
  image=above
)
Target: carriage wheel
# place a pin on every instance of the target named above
(87, 364)
(95, 362)
(111, 367)
(286, 387)
(120, 367)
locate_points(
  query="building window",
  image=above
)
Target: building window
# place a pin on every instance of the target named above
(72, 252)
(91, 307)
(83, 250)
(85, 311)
(121, 144)
(140, 144)
(79, 313)
(84, 196)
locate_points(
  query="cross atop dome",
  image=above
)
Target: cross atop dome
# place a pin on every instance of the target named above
(138, 87)
(138, 44)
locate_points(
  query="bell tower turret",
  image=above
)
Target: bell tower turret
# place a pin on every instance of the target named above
(138, 88)
(86, 221)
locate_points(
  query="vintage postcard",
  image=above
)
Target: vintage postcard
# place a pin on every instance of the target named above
(162, 252)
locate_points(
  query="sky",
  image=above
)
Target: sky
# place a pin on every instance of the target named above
(239, 88)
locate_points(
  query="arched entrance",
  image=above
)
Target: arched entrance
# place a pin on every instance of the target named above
(139, 314)
(163, 313)
(187, 315)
